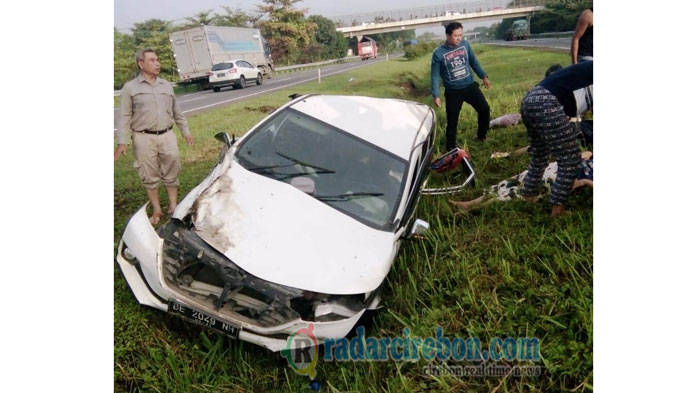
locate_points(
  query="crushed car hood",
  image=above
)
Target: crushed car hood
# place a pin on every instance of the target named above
(280, 234)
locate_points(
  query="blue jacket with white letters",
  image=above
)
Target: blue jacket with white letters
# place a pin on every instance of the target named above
(453, 65)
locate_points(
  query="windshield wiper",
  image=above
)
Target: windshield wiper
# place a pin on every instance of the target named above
(347, 197)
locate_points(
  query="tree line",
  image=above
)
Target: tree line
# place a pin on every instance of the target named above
(560, 15)
(291, 35)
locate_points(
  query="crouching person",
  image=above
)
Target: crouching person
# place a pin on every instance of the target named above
(545, 112)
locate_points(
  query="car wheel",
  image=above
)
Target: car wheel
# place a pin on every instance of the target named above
(216, 89)
(259, 79)
(242, 82)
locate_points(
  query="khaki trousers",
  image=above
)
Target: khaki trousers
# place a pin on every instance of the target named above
(157, 159)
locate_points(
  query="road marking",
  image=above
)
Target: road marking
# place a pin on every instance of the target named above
(269, 90)
(277, 80)
(278, 88)
(192, 99)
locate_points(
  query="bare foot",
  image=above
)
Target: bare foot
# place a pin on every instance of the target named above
(156, 215)
(559, 211)
(463, 205)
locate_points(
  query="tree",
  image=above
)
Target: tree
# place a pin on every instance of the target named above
(202, 18)
(124, 59)
(332, 43)
(429, 36)
(154, 33)
(388, 42)
(287, 32)
(560, 15)
(235, 17)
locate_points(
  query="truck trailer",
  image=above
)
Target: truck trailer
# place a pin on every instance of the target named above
(198, 49)
(367, 48)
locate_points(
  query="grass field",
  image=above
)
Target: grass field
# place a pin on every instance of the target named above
(506, 270)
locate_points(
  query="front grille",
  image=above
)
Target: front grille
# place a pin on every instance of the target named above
(197, 271)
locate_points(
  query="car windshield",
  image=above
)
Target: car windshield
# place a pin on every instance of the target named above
(345, 172)
(222, 66)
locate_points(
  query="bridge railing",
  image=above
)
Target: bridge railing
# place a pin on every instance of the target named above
(452, 9)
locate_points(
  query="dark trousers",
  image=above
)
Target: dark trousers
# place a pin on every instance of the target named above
(454, 98)
(550, 133)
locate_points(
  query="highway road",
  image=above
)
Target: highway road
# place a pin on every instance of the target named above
(192, 103)
(201, 101)
(561, 44)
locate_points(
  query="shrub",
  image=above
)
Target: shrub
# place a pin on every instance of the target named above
(420, 49)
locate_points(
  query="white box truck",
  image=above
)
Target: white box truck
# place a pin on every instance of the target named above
(196, 50)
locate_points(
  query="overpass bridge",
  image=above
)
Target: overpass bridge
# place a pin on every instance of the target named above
(410, 19)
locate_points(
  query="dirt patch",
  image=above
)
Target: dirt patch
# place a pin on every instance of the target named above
(263, 108)
(408, 87)
(412, 85)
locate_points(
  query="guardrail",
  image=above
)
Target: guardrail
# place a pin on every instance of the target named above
(291, 68)
(317, 64)
(553, 34)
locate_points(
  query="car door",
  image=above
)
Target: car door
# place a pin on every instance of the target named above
(251, 72)
(241, 64)
(240, 69)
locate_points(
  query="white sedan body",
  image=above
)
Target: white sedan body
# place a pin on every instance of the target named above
(230, 73)
(268, 251)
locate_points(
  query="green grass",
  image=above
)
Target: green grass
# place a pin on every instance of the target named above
(507, 269)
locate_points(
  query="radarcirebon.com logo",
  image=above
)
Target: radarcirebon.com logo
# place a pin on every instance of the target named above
(301, 351)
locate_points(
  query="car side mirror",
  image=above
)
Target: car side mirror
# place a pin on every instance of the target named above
(225, 138)
(227, 143)
(418, 229)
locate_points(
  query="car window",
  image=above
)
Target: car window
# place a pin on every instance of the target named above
(422, 154)
(348, 173)
(222, 66)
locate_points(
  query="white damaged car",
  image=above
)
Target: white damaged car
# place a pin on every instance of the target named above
(298, 223)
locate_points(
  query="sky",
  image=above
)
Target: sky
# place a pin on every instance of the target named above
(128, 12)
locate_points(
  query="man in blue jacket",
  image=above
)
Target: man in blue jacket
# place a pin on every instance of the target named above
(453, 63)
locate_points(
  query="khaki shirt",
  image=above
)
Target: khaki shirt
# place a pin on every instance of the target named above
(148, 107)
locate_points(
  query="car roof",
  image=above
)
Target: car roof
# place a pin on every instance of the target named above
(232, 61)
(393, 125)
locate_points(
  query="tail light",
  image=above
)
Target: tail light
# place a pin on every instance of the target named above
(232, 70)
(208, 73)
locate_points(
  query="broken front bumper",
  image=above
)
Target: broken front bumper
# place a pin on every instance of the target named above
(142, 267)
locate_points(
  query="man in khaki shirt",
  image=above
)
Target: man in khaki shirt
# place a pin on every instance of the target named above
(148, 112)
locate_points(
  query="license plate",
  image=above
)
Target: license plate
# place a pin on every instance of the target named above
(220, 75)
(203, 319)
